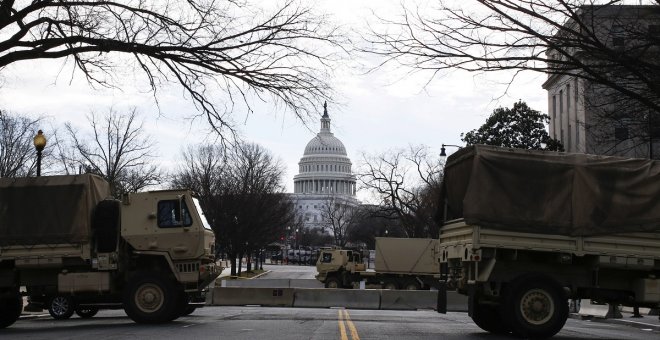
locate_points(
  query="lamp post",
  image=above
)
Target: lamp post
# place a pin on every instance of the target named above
(442, 149)
(286, 245)
(39, 144)
(297, 246)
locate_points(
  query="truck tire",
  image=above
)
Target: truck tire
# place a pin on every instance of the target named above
(411, 285)
(489, 318)
(390, 285)
(11, 308)
(61, 307)
(151, 298)
(534, 306)
(106, 225)
(87, 312)
(333, 282)
(188, 310)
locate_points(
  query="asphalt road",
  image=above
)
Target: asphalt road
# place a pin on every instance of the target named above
(288, 272)
(288, 323)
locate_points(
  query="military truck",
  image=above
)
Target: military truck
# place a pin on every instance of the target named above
(400, 263)
(526, 231)
(70, 248)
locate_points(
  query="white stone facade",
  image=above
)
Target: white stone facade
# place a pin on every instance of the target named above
(324, 175)
(576, 106)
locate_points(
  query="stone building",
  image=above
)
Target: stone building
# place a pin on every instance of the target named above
(586, 116)
(324, 176)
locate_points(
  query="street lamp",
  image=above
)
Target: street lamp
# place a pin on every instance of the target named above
(39, 144)
(286, 245)
(297, 246)
(442, 149)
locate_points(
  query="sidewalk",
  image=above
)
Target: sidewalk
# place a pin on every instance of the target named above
(650, 322)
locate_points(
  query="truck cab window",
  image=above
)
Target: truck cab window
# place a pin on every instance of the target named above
(169, 214)
(327, 258)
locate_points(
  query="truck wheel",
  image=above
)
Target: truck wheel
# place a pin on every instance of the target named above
(87, 312)
(61, 307)
(151, 298)
(390, 285)
(189, 310)
(11, 308)
(489, 318)
(411, 285)
(535, 307)
(332, 282)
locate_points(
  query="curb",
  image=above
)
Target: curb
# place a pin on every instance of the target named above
(32, 316)
(622, 321)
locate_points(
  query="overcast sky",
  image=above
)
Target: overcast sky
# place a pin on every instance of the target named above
(377, 112)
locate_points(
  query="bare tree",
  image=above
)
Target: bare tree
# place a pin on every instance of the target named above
(242, 194)
(338, 214)
(406, 182)
(17, 153)
(203, 46)
(575, 38)
(118, 150)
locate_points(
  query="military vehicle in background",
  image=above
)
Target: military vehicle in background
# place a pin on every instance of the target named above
(527, 230)
(73, 249)
(400, 263)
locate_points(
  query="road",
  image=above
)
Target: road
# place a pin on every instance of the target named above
(288, 272)
(251, 323)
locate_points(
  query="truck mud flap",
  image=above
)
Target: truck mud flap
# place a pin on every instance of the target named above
(471, 299)
(442, 297)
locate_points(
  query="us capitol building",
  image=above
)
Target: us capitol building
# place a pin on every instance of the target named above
(324, 176)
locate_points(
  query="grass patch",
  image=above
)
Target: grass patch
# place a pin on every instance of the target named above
(247, 275)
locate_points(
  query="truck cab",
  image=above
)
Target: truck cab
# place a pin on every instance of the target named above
(333, 265)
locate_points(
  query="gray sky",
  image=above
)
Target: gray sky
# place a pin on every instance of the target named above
(377, 112)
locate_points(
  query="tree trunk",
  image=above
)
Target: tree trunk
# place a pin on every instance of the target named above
(232, 259)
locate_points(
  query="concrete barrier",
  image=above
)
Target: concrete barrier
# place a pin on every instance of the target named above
(273, 283)
(456, 302)
(599, 310)
(260, 283)
(408, 299)
(348, 298)
(240, 296)
(326, 298)
(305, 283)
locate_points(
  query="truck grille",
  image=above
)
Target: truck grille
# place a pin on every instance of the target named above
(192, 267)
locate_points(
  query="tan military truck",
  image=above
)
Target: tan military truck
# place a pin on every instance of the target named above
(75, 250)
(400, 263)
(528, 230)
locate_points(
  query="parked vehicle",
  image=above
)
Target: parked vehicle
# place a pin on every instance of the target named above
(528, 230)
(400, 263)
(77, 251)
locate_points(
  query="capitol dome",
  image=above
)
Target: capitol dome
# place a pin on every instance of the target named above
(325, 167)
(325, 144)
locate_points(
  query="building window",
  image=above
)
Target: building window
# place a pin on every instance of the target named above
(617, 36)
(621, 133)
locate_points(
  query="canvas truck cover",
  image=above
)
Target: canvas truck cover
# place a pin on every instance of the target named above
(49, 209)
(406, 255)
(552, 192)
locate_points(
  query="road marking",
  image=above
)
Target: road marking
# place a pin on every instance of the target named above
(345, 320)
(351, 326)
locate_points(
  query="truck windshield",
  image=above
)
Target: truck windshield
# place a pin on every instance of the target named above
(198, 207)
